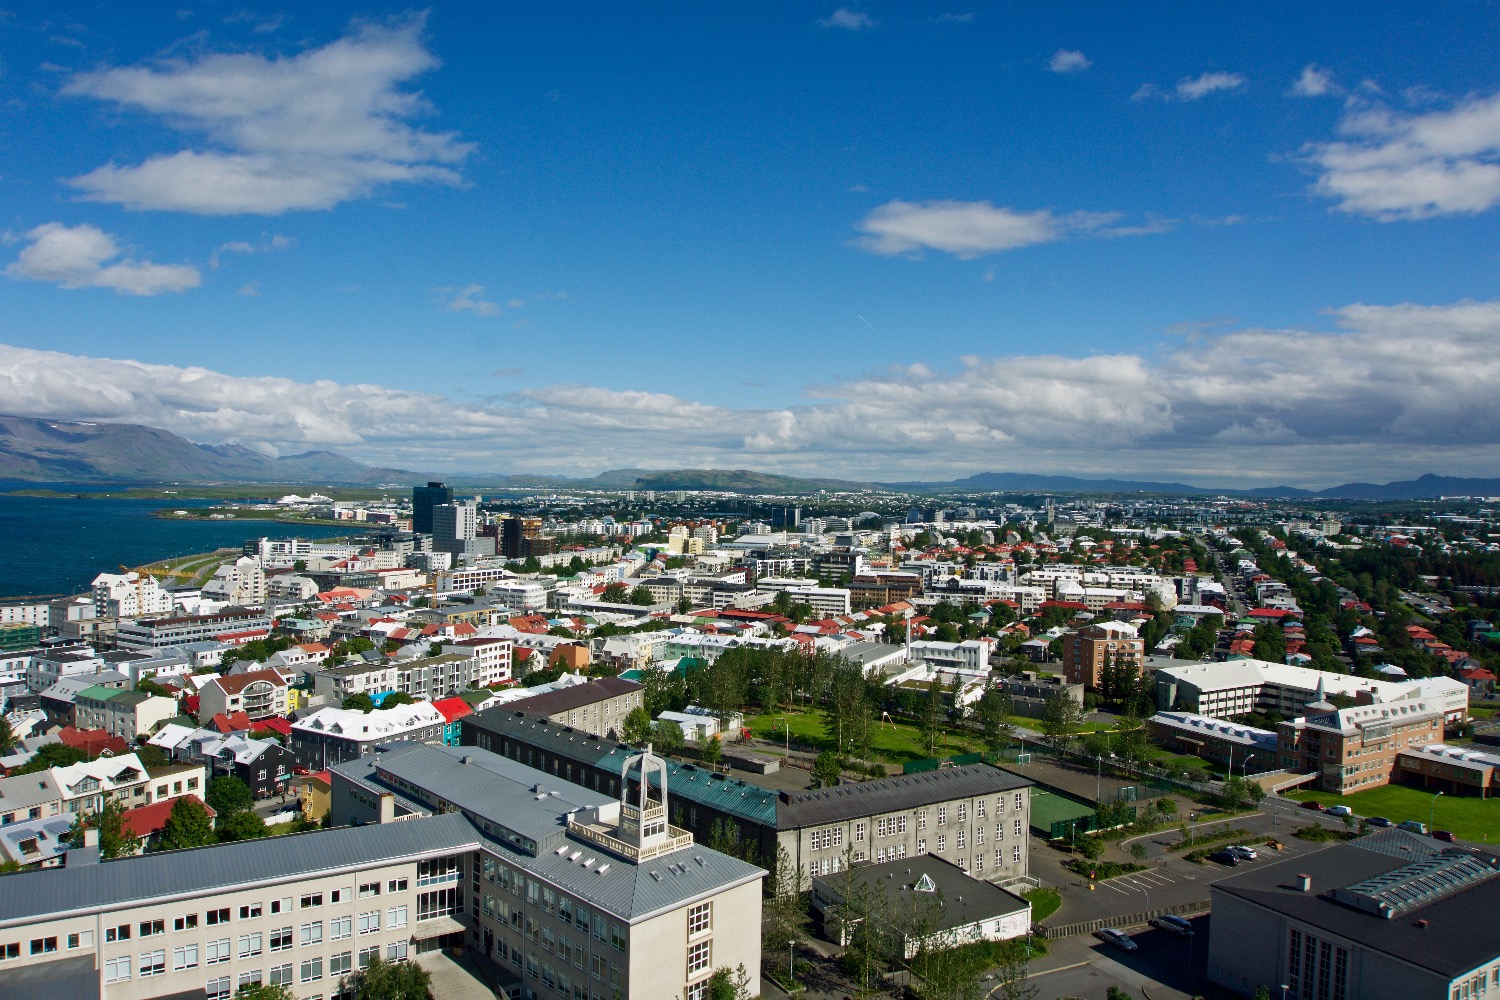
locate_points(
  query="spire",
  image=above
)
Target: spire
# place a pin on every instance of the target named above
(643, 819)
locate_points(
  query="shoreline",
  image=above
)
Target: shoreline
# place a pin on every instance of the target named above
(206, 514)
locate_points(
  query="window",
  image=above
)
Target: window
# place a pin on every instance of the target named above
(979, 861)
(979, 809)
(120, 933)
(150, 927)
(250, 945)
(281, 939)
(395, 916)
(338, 896)
(216, 952)
(369, 923)
(214, 917)
(922, 845)
(312, 933)
(281, 975)
(369, 889)
(185, 922)
(437, 870)
(185, 957)
(311, 900)
(367, 955)
(942, 844)
(921, 819)
(341, 963)
(1000, 830)
(153, 963)
(1016, 827)
(395, 951)
(250, 912)
(999, 857)
(1018, 801)
(310, 971)
(1015, 854)
(83, 939)
(281, 905)
(859, 833)
(340, 928)
(438, 903)
(700, 918)
(396, 885)
(963, 808)
(698, 958)
(699, 991)
(250, 977)
(42, 946)
(942, 815)
(117, 970)
(616, 937)
(216, 989)
(961, 842)
(979, 835)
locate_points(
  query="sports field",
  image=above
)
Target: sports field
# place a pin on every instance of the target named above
(1048, 807)
(1467, 817)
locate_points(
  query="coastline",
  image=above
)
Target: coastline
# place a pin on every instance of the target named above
(208, 514)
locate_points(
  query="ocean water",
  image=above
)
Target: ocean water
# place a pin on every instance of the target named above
(57, 546)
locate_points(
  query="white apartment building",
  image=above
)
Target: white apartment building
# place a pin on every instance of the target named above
(129, 595)
(241, 582)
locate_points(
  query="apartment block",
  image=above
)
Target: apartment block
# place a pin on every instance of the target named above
(1355, 749)
(1087, 652)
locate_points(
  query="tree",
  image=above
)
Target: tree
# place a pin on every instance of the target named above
(264, 991)
(228, 795)
(641, 595)
(994, 712)
(1138, 851)
(188, 825)
(244, 825)
(932, 717)
(846, 714)
(109, 821)
(152, 756)
(397, 698)
(826, 769)
(713, 751)
(666, 736)
(1091, 847)
(1061, 717)
(382, 980)
(51, 755)
(784, 912)
(636, 729)
(359, 702)
(729, 985)
(7, 735)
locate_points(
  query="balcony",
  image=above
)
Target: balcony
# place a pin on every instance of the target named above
(675, 840)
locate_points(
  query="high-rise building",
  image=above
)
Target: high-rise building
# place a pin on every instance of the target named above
(519, 531)
(423, 499)
(455, 527)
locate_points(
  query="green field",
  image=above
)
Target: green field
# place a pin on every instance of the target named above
(1044, 903)
(1467, 817)
(1048, 808)
(896, 742)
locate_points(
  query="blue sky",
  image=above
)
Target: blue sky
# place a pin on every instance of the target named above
(875, 241)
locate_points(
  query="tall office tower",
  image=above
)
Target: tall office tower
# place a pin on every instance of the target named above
(455, 527)
(423, 499)
(518, 533)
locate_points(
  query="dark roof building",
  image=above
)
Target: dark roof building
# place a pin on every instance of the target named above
(598, 707)
(1390, 915)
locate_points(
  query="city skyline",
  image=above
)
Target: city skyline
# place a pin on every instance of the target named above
(877, 242)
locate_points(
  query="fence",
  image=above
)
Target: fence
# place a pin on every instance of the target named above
(1124, 920)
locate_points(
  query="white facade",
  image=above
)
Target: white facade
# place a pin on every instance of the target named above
(241, 582)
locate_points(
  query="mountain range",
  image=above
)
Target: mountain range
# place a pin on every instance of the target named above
(55, 451)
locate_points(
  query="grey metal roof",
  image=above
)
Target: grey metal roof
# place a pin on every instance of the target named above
(568, 698)
(907, 791)
(964, 900)
(1447, 945)
(205, 870)
(74, 978)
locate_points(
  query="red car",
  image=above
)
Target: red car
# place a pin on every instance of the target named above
(1444, 835)
(1310, 804)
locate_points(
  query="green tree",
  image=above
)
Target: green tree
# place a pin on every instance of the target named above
(188, 825)
(931, 722)
(784, 912)
(359, 702)
(1061, 718)
(382, 980)
(846, 713)
(397, 698)
(244, 825)
(636, 729)
(666, 736)
(826, 769)
(264, 991)
(713, 751)
(725, 984)
(151, 756)
(1138, 851)
(641, 595)
(109, 821)
(228, 795)
(7, 735)
(1091, 847)
(51, 755)
(994, 711)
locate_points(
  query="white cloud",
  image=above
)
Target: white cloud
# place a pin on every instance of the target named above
(284, 134)
(1069, 61)
(848, 20)
(1314, 82)
(80, 257)
(468, 299)
(1391, 165)
(266, 245)
(1193, 88)
(1148, 92)
(1389, 392)
(969, 229)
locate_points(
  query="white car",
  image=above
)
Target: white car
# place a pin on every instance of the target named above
(1173, 924)
(1339, 811)
(1242, 852)
(1116, 937)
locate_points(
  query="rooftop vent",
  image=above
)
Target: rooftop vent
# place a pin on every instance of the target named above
(1304, 882)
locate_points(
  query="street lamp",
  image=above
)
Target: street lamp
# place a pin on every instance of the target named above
(791, 975)
(1430, 807)
(1245, 767)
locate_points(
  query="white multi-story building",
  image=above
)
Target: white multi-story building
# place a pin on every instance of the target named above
(129, 595)
(241, 582)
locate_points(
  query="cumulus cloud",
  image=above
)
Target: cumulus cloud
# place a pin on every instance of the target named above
(1391, 165)
(1389, 392)
(848, 20)
(1069, 61)
(282, 134)
(265, 245)
(84, 256)
(969, 229)
(468, 299)
(1314, 82)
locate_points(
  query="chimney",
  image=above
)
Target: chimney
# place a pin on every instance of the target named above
(387, 807)
(1304, 882)
(91, 836)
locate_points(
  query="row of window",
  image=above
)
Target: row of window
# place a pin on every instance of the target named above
(542, 896)
(310, 971)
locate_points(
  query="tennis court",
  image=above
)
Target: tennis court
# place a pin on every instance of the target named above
(1052, 815)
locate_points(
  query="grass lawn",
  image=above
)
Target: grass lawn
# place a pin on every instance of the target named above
(1044, 903)
(1470, 818)
(1164, 758)
(896, 742)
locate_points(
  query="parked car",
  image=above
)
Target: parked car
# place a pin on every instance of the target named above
(1225, 858)
(1413, 826)
(1116, 937)
(1379, 821)
(1242, 852)
(1173, 925)
(1311, 804)
(1444, 835)
(1339, 811)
